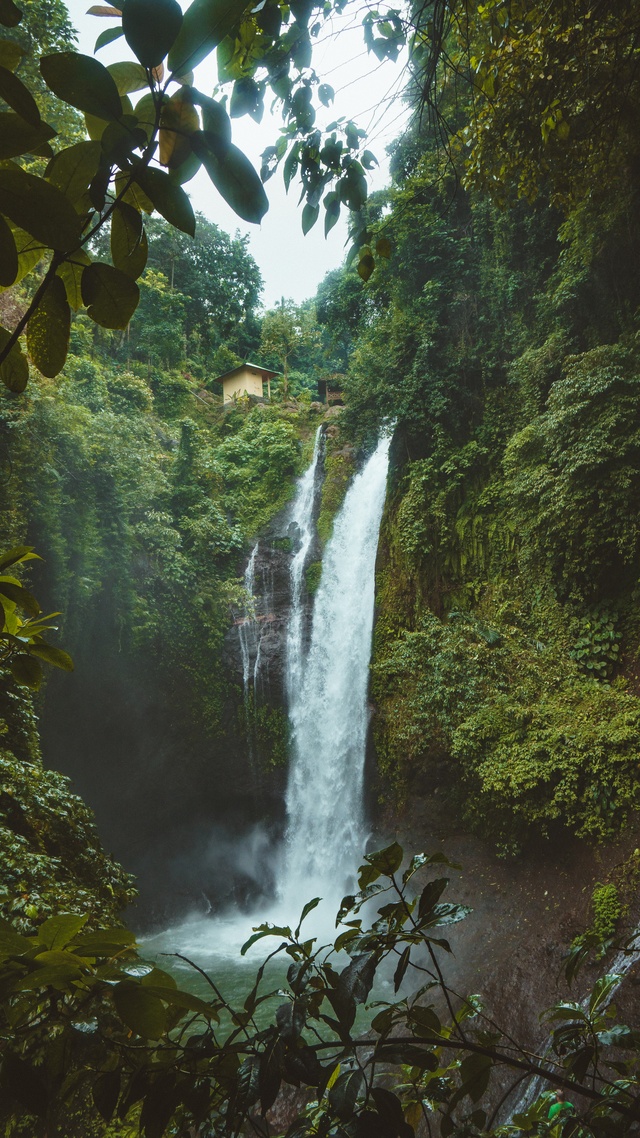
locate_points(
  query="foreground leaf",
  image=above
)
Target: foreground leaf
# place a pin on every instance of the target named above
(83, 82)
(233, 176)
(19, 137)
(168, 198)
(8, 255)
(39, 208)
(17, 96)
(14, 370)
(150, 28)
(72, 170)
(129, 248)
(205, 24)
(110, 295)
(48, 330)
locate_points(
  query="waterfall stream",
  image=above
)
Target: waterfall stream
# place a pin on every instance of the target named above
(326, 683)
(303, 523)
(328, 695)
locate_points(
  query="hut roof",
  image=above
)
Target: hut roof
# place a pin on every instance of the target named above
(247, 365)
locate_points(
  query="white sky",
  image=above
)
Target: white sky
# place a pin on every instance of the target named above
(367, 92)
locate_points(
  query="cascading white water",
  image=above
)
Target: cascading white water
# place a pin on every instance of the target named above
(248, 628)
(327, 691)
(328, 700)
(302, 520)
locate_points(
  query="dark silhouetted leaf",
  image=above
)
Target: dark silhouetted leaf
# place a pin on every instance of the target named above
(388, 860)
(168, 198)
(83, 82)
(233, 176)
(105, 1091)
(10, 14)
(475, 1071)
(399, 973)
(140, 1010)
(8, 255)
(270, 1073)
(129, 248)
(106, 37)
(17, 96)
(26, 671)
(19, 137)
(39, 208)
(73, 169)
(150, 28)
(48, 330)
(344, 1094)
(206, 23)
(431, 894)
(111, 296)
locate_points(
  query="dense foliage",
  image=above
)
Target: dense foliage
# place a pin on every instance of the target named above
(98, 1041)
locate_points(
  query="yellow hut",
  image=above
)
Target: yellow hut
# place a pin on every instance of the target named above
(246, 379)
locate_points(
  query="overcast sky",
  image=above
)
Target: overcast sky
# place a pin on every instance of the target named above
(366, 91)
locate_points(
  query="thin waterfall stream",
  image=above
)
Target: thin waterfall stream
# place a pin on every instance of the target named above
(327, 674)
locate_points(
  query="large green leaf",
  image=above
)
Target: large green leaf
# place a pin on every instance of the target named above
(39, 208)
(150, 28)
(10, 54)
(10, 14)
(20, 137)
(72, 170)
(110, 295)
(128, 76)
(168, 198)
(83, 82)
(142, 1011)
(214, 116)
(71, 275)
(17, 555)
(11, 942)
(48, 330)
(26, 672)
(8, 255)
(233, 175)
(17, 96)
(61, 929)
(107, 37)
(146, 114)
(129, 248)
(205, 24)
(14, 370)
(57, 657)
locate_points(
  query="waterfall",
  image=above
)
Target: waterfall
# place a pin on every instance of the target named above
(248, 631)
(303, 524)
(328, 695)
